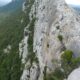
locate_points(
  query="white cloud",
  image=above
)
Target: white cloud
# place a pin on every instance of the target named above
(74, 2)
(4, 2)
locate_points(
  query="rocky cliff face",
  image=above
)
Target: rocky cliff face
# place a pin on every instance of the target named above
(56, 28)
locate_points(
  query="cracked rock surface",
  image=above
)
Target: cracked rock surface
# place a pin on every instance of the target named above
(54, 17)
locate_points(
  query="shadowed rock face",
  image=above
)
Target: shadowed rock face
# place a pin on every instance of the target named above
(54, 17)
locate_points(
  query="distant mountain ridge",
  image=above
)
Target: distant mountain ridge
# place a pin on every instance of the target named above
(76, 8)
(13, 6)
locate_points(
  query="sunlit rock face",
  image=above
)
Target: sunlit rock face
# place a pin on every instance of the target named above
(75, 75)
(54, 17)
(52, 14)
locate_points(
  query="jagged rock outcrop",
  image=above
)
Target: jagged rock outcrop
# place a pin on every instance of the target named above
(54, 18)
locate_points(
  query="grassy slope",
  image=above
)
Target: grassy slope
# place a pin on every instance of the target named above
(3, 16)
(11, 33)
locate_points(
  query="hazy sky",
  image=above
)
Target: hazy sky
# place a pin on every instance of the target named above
(74, 2)
(3, 2)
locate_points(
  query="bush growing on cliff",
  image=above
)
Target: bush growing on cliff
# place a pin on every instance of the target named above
(56, 75)
(68, 64)
(67, 56)
(60, 37)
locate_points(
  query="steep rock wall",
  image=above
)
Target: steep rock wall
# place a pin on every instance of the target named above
(53, 18)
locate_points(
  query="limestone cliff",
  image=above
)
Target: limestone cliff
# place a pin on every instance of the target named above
(54, 18)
